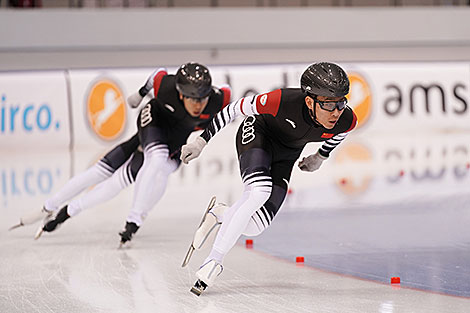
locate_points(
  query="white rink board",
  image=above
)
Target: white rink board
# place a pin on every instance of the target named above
(83, 82)
(417, 97)
(391, 98)
(31, 177)
(380, 162)
(34, 110)
(376, 170)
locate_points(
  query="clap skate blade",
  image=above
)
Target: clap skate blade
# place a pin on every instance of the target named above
(39, 232)
(32, 217)
(191, 247)
(41, 227)
(15, 226)
(124, 245)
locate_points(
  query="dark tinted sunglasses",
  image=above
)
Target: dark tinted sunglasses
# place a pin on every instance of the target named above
(330, 106)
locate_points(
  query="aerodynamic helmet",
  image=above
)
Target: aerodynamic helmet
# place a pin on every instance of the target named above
(193, 80)
(325, 79)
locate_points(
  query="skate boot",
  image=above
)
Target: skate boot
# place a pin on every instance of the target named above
(211, 219)
(50, 224)
(126, 235)
(206, 275)
(33, 217)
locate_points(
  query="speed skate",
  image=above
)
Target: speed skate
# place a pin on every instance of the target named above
(211, 219)
(206, 276)
(196, 244)
(33, 217)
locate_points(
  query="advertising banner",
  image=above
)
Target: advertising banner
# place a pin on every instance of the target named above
(412, 132)
(34, 110)
(386, 97)
(30, 178)
(411, 97)
(369, 171)
(396, 98)
(101, 116)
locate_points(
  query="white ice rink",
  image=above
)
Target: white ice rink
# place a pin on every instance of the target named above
(78, 268)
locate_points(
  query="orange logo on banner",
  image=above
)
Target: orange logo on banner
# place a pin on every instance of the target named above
(358, 154)
(106, 109)
(359, 98)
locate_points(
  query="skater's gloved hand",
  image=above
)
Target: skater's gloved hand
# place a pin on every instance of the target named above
(312, 162)
(134, 100)
(192, 150)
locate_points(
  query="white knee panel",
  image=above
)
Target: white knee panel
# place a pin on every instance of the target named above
(151, 182)
(237, 217)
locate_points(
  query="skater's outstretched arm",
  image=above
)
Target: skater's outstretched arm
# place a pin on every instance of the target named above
(313, 162)
(153, 82)
(267, 103)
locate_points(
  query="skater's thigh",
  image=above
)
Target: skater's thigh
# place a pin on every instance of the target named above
(121, 153)
(253, 148)
(135, 164)
(280, 174)
(153, 134)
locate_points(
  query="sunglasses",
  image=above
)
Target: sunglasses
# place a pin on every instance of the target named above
(330, 106)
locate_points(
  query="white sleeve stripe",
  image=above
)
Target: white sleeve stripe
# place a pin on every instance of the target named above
(332, 143)
(214, 125)
(335, 140)
(328, 145)
(342, 135)
(249, 106)
(226, 115)
(221, 121)
(231, 111)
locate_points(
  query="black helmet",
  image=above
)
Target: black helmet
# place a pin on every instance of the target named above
(193, 80)
(325, 79)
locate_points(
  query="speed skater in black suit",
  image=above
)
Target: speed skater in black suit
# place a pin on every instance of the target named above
(277, 127)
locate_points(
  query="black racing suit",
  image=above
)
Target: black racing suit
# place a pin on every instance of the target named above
(166, 122)
(272, 137)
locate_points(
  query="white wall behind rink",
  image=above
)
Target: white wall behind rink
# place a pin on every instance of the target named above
(87, 108)
(413, 131)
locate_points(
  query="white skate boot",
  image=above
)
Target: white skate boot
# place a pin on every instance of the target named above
(32, 217)
(206, 275)
(211, 219)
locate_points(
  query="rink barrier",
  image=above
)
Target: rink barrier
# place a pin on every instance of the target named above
(387, 97)
(413, 131)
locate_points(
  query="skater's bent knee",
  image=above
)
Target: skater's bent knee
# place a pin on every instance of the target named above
(260, 194)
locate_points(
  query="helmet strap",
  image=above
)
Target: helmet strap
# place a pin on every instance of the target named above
(313, 114)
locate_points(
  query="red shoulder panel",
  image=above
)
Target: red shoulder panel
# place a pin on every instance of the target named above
(227, 95)
(354, 121)
(157, 80)
(268, 103)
